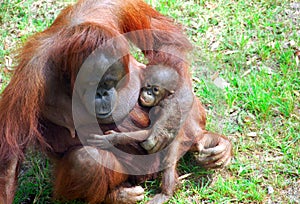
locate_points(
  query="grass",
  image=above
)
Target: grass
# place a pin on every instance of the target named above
(249, 46)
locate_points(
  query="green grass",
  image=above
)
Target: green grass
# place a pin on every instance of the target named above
(251, 46)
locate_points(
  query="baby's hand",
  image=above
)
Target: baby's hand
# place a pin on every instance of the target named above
(110, 132)
(101, 141)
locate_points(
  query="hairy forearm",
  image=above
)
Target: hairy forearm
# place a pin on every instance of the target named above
(128, 137)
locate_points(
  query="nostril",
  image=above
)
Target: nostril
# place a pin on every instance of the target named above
(105, 93)
(149, 93)
(98, 95)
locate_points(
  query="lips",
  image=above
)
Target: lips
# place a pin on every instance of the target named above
(144, 101)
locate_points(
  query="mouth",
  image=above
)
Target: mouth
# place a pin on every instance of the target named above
(145, 102)
(104, 110)
(103, 115)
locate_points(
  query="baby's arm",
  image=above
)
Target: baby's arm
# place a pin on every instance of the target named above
(114, 138)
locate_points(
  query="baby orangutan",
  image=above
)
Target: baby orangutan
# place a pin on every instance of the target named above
(159, 83)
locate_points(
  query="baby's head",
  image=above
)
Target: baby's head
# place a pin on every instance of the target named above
(158, 83)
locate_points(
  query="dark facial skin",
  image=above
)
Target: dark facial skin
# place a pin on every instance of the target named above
(101, 89)
(151, 95)
(106, 98)
(106, 95)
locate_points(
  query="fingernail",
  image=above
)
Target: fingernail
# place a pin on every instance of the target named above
(219, 163)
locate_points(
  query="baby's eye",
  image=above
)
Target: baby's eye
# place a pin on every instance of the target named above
(155, 90)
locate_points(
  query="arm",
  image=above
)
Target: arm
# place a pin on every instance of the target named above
(8, 179)
(115, 138)
(169, 121)
(20, 105)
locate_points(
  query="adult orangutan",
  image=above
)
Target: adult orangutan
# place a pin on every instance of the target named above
(80, 66)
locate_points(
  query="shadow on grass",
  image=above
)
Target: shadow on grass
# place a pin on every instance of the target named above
(35, 179)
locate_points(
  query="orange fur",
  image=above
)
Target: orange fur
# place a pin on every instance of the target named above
(62, 48)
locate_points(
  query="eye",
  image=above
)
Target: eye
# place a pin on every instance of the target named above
(156, 90)
(148, 86)
(108, 84)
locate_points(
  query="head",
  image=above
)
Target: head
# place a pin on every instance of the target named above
(158, 83)
(103, 73)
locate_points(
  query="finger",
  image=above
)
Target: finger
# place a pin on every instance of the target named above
(224, 161)
(134, 191)
(138, 198)
(102, 145)
(227, 161)
(92, 141)
(215, 150)
(159, 198)
(95, 136)
(148, 144)
(158, 146)
(216, 165)
(110, 132)
(95, 141)
(212, 166)
(200, 147)
(210, 159)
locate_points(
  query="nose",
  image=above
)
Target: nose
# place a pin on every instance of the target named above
(101, 93)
